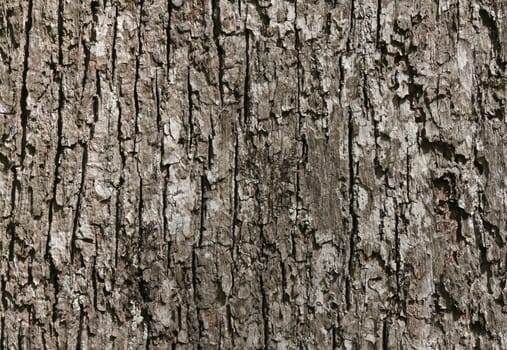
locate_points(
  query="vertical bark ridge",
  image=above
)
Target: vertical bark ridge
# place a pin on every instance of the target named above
(25, 113)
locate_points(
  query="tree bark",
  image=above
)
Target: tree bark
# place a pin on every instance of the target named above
(253, 174)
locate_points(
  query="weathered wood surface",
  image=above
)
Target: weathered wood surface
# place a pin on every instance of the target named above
(253, 174)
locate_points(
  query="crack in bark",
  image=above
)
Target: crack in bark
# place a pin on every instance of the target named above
(235, 206)
(94, 271)
(246, 96)
(113, 49)
(79, 340)
(385, 335)
(168, 37)
(352, 208)
(190, 141)
(118, 209)
(378, 29)
(397, 253)
(202, 214)
(217, 31)
(86, 64)
(265, 312)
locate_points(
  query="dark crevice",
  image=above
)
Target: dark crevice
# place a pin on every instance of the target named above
(352, 200)
(140, 205)
(246, 92)
(53, 277)
(229, 324)
(148, 338)
(352, 25)
(447, 150)
(397, 253)
(60, 32)
(285, 295)
(195, 281)
(113, 49)
(44, 345)
(94, 273)
(450, 302)
(11, 230)
(379, 13)
(118, 213)
(2, 333)
(140, 208)
(379, 169)
(220, 335)
(217, 31)
(86, 64)
(194, 277)
(385, 335)
(348, 293)
(235, 205)
(493, 32)
(14, 188)
(5, 301)
(408, 171)
(202, 223)
(159, 118)
(12, 31)
(342, 78)
(210, 151)
(299, 67)
(190, 115)
(137, 69)
(168, 37)
(20, 336)
(265, 313)
(79, 340)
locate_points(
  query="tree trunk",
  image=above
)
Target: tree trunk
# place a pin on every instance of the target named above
(253, 174)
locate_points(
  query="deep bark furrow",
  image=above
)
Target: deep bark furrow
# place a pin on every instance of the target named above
(190, 137)
(378, 29)
(246, 90)
(217, 30)
(113, 44)
(235, 199)
(202, 214)
(168, 37)
(265, 313)
(397, 256)
(352, 198)
(119, 192)
(86, 63)
(2, 330)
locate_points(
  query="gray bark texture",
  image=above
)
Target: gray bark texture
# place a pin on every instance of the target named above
(253, 174)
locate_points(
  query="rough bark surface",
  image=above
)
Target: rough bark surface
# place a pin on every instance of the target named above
(253, 174)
